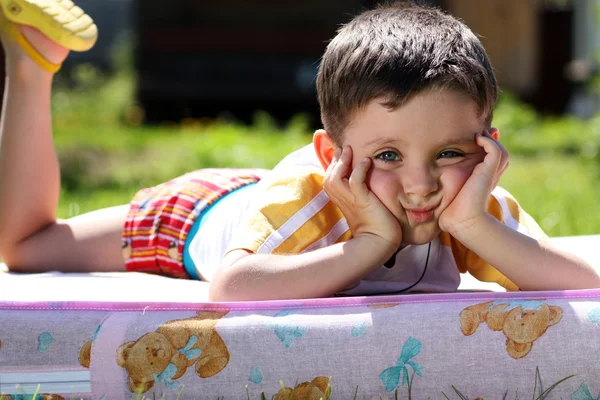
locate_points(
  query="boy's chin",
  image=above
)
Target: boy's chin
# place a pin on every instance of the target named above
(419, 235)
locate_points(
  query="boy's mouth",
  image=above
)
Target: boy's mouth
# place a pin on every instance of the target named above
(421, 214)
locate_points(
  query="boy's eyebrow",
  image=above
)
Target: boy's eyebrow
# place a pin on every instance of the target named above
(456, 141)
(459, 141)
(381, 141)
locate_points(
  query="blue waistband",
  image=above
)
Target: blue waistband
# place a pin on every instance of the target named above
(188, 262)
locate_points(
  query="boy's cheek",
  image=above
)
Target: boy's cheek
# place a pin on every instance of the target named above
(465, 170)
(378, 178)
(384, 185)
(454, 180)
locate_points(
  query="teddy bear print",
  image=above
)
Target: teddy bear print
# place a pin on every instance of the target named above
(166, 354)
(521, 321)
(313, 390)
(85, 354)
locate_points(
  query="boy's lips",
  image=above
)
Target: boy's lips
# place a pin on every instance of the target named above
(421, 214)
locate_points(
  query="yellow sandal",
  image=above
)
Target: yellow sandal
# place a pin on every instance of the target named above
(60, 20)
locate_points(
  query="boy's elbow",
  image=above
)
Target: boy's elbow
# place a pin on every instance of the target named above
(228, 282)
(216, 292)
(222, 287)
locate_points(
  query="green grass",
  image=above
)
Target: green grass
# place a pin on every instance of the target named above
(560, 193)
(106, 155)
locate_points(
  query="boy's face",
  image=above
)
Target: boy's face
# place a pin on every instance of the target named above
(423, 153)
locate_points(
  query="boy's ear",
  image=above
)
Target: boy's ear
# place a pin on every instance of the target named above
(495, 133)
(324, 147)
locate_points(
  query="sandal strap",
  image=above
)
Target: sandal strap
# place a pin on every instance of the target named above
(31, 51)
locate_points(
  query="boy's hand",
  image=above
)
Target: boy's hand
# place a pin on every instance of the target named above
(472, 200)
(364, 212)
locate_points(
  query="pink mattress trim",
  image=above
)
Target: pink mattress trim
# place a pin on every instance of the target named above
(334, 302)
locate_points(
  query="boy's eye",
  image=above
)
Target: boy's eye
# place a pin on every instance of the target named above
(388, 156)
(450, 154)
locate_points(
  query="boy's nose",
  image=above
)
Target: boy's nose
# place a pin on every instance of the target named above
(419, 182)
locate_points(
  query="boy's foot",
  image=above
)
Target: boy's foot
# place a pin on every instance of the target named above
(62, 25)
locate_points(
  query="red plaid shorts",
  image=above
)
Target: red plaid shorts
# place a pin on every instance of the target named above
(160, 217)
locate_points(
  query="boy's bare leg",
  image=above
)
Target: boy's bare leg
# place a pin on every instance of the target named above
(31, 239)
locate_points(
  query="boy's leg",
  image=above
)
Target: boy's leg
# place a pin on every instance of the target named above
(87, 243)
(31, 239)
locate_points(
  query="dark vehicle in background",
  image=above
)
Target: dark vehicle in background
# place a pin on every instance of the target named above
(207, 58)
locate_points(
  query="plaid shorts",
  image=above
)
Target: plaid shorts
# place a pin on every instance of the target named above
(160, 217)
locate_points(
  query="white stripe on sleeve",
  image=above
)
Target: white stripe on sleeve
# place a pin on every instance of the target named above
(501, 195)
(294, 223)
(334, 234)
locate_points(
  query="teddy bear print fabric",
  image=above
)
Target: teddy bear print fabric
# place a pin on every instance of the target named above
(418, 346)
(521, 321)
(166, 354)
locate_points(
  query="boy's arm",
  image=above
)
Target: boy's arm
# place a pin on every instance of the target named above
(319, 273)
(322, 272)
(528, 263)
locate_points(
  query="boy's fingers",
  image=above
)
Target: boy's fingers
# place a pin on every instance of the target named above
(504, 156)
(359, 176)
(340, 169)
(492, 159)
(335, 177)
(336, 154)
(332, 164)
(491, 148)
(497, 156)
(334, 158)
(497, 142)
(504, 161)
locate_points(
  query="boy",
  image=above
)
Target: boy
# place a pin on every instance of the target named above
(396, 194)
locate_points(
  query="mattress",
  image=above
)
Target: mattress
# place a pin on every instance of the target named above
(133, 336)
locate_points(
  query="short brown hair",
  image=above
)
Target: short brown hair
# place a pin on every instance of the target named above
(395, 51)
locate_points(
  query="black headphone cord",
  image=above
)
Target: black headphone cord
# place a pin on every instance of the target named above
(423, 274)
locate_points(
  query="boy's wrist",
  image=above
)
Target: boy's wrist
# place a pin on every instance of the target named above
(475, 229)
(374, 248)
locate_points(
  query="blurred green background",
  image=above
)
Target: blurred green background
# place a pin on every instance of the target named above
(168, 59)
(106, 154)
